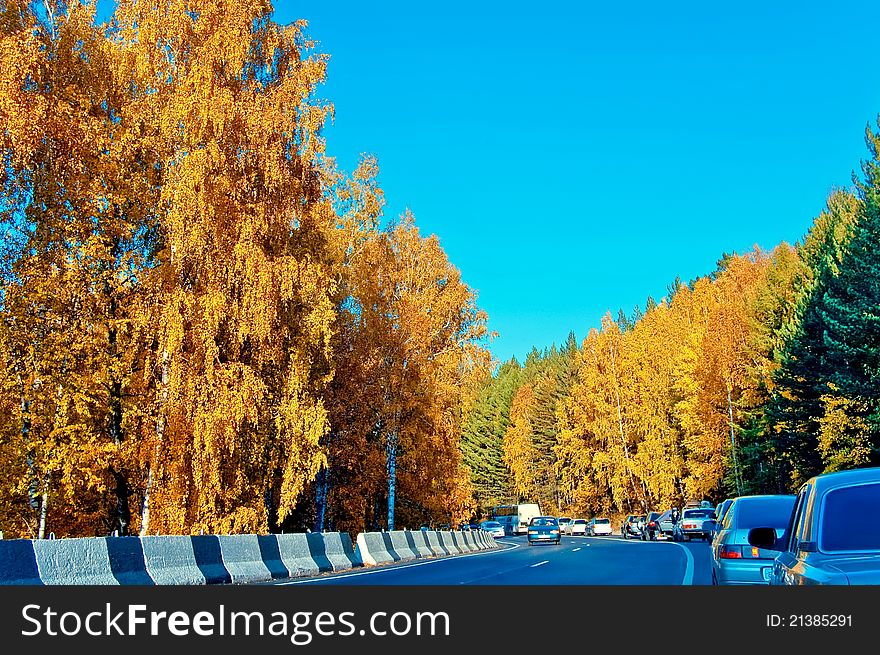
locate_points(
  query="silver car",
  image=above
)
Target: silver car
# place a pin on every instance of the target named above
(833, 535)
(734, 560)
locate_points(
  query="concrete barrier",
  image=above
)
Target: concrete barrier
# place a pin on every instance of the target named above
(242, 558)
(318, 550)
(171, 560)
(420, 537)
(338, 550)
(375, 548)
(296, 554)
(270, 553)
(434, 542)
(447, 538)
(18, 563)
(403, 544)
(74, 561)
(468, 541)
(127, 563)
(209, 559)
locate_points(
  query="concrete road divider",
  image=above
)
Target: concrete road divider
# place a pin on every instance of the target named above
(372, 549)
(171, 560)
(450, 543)
(18, 563)
(271, 556)
(74, 561)
(127, 561)
(434, 542)
(339, 551)
(401, 545)
(296, 554)
(243, 559)
(420, 539)
(209, 559)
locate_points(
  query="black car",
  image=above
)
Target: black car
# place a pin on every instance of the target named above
(651, 526)
(630, 526)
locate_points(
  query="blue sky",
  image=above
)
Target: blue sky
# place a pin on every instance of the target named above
(575, 157)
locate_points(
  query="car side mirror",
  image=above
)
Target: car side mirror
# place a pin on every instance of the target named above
(763, 538)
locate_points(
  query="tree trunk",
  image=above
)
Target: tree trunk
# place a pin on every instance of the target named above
(44, 505)
(733, 443)
(322, 488)
(160, 433)
(391, 454)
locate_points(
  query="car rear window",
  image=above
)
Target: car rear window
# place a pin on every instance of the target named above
(851, 519)
(543, 521)
(602, 521)
(492, 524)
(763, 512)
(580, 521)
(697, 513)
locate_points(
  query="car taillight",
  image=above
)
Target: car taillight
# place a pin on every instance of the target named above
(651, 524)
(756, 552)
(730, 552)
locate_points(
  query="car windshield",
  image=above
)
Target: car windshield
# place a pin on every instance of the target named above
(697, 513)
(602, 521)
(763, 512)
(542, 520)
(491, 524)
(851, 519)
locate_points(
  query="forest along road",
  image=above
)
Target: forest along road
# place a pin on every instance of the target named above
(575, 561)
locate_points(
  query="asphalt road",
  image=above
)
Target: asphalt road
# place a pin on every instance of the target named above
(575, 561)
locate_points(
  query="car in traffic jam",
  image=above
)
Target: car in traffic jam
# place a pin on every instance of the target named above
(832, 536)
(734, 560)
(599, 527)
(694, 523)
(576, 526)
(630, 526)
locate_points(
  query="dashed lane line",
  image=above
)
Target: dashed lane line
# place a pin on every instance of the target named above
(546, 561)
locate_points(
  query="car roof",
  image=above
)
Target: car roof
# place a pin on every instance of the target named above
(844, 478)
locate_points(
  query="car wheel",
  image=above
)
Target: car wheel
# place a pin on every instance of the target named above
(714, 579)
(685, 537)
(625, 536)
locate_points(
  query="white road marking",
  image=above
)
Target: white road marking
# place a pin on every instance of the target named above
(688, 579)
(546, 561)
(383, 568)
(574, 550)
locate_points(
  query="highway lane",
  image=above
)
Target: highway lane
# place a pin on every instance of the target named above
(575, 561)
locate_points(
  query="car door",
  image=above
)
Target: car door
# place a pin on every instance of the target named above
(787, 567)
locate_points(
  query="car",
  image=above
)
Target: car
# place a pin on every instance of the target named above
(493, 528)
(665, 524)
(734, 560)
(694, 523)
(599, 526)
(630, 526)
(650, 528)
(563, 522)
(576, 526)
(832, 536)
(720, 510)
(543, 529)
(464, 527)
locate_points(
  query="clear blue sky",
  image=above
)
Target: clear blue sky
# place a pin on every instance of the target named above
(574, 157)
